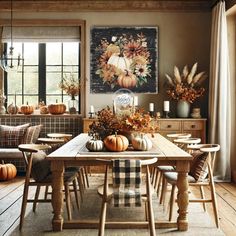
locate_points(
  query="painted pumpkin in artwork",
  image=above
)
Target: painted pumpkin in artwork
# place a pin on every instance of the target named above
(7, 172)
(116, 143)
(127, 80)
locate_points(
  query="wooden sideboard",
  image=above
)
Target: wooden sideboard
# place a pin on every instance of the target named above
(197, 127)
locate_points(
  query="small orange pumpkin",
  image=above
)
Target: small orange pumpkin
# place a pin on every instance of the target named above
(57, 108)
(116, 143)
(7, 172)
(27, 109)
(127, 80)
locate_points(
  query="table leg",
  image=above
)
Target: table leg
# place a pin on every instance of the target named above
(57, 168)
(182, 197)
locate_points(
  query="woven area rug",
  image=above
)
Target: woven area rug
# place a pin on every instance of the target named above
(39, 223)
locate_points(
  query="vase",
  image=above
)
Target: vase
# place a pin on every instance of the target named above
(183, 109)
(73, 105)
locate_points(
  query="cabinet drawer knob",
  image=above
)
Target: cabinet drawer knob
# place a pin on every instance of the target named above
(193, 126)
(168, 126)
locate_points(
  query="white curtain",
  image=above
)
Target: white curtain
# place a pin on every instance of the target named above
(219, 93)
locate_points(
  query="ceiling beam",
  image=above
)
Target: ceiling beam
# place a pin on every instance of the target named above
(105, 5)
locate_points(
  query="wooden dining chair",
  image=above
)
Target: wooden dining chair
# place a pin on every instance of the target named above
(126, 189)
(200, 175)
(38, 168)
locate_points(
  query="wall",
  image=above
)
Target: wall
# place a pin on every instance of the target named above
(184, 38)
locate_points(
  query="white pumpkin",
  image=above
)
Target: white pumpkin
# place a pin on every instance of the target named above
(122, 63)
(95, 145)
(141, 142)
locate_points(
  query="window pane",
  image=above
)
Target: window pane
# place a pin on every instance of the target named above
(32, 100)
(69, 69)
(52, 83)
(53, 53)
(31, 53)
(70, 53)
(14, 82)
(31, 80)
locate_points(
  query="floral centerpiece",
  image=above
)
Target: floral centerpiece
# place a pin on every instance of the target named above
(124, 61)
(186, 86)
(108, 123)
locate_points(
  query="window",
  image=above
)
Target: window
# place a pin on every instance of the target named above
(45, 64)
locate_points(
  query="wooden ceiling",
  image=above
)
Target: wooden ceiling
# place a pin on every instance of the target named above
(106, 5)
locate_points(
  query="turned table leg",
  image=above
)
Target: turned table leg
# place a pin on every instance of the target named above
(182, 197)
(57, 168)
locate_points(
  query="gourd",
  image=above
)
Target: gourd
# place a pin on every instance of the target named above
(43, 110)
(141, 142)
(127, 80)
(27, 109)
(57, 108)
(122, 63)
(95, 145)
(7, 171)
(116, 143)
(12, 109)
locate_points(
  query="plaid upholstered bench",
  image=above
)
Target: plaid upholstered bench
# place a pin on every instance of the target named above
(11, 137)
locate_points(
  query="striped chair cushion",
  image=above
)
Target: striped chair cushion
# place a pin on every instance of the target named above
(12, 136)
(198, 167)
(32, 134)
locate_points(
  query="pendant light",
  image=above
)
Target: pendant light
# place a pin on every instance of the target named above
(9, 61)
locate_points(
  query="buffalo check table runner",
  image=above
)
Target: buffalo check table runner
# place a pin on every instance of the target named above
(126, 182)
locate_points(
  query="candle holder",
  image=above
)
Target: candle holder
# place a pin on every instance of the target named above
(91, 115)
(166, 114)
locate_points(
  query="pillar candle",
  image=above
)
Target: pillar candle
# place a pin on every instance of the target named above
(151, 106)
(166, 106)
(92, 109)
(135, 101)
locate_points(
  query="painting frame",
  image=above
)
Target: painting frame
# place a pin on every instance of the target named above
(124, 57)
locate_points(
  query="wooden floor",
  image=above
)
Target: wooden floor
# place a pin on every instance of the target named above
(11, 195)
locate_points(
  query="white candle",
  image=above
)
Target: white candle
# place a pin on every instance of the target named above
(91, 109)
(151, 106)
(135, 101)
(166, 106)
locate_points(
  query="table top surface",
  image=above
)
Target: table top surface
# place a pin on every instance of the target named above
(75, 150)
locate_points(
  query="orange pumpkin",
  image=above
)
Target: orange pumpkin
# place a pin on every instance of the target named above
(27, 109)
(116, 143)
(127, 80)
(7, 171)
(57, 108)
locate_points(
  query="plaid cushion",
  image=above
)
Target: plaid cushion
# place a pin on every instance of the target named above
(32, 134)
(12, 136)
(126, 183)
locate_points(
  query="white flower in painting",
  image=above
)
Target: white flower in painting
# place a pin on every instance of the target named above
(113, 39)
(144, 44)
(141, 70)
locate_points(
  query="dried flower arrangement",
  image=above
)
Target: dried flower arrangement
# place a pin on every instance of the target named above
(186, 86)
(70, 84)
(108, 123)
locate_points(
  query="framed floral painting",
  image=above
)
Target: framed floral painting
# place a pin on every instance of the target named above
(124, 57)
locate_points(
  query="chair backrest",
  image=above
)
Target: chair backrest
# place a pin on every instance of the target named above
(34, 157)
(126, 180)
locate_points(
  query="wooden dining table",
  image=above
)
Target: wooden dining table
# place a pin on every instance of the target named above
(75, 153)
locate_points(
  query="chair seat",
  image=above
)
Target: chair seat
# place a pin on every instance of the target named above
(171, 177)
(69, 176)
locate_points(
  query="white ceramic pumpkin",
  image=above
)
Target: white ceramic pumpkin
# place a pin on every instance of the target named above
(141, 142)
(122, 63)
(95, 145)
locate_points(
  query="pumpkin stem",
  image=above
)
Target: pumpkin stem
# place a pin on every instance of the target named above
(27, 103)
(3, 162)
(56, 101)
